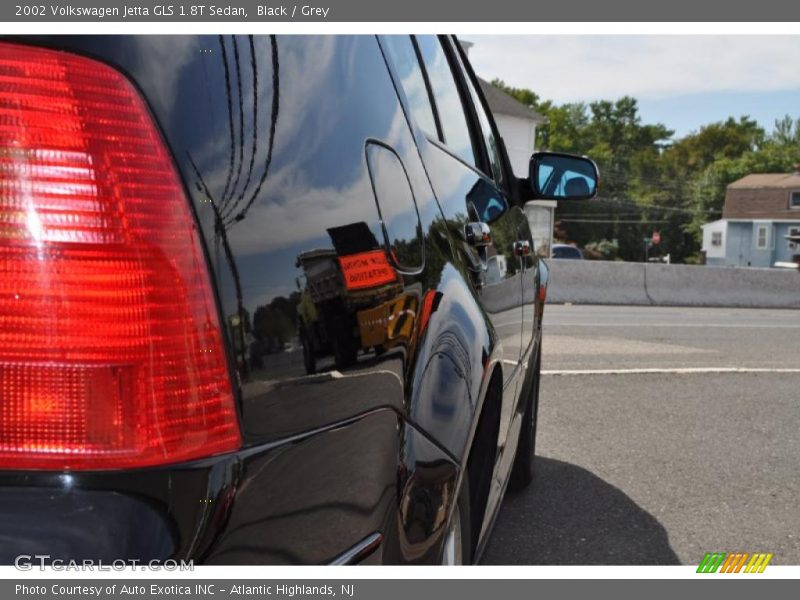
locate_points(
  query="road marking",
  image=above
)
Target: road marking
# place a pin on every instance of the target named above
(675, 371)
(552, 323)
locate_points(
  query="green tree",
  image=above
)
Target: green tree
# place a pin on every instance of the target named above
(648, 181)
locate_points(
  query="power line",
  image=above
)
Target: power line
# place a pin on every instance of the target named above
(633, 203)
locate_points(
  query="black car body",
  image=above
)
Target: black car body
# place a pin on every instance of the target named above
(380, 154)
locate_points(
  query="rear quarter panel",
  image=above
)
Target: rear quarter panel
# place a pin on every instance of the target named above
(269, 136)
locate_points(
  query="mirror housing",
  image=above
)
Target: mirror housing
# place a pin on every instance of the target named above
(560, 176)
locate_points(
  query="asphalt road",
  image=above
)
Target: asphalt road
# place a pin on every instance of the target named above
(664, 433)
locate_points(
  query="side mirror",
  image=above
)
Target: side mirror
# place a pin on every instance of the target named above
(557, 176)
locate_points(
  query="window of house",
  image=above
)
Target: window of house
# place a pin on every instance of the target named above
(716, 238)
(794, 200)
(762, 237)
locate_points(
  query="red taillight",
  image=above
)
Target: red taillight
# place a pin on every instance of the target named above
(111, 353)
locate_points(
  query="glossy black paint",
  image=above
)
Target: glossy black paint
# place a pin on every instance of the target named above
(54, 523)
(301, 154)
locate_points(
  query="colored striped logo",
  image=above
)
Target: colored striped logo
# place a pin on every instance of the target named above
(734, 562)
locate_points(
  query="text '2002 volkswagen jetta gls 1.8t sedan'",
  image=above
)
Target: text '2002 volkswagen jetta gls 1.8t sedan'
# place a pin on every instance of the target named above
(263, 300)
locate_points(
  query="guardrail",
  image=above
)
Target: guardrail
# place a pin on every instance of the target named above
(604, 282)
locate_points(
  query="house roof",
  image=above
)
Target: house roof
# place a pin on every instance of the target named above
(710, 223)
(755, 220)
(503, 104)
(767, 180)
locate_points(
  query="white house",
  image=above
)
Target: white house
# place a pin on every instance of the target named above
(759, 224)
(714, 234)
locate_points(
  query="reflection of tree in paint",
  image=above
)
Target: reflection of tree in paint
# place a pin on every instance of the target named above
(274, 325)
(504, 234)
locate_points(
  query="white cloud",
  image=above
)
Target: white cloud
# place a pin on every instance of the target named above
(568, 68)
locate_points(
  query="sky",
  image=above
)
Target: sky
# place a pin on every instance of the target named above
(682, 81)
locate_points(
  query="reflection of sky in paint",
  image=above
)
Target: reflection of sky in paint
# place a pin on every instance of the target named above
(404, 58)
(448, 102)
(318, 176)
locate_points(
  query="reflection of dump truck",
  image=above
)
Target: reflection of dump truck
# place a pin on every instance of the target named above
(338, 286)
(390, 323)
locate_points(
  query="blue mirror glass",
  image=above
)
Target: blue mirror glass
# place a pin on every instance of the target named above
(557, 176)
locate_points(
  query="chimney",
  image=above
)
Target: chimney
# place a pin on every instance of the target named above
(797, 169)
(465, 46)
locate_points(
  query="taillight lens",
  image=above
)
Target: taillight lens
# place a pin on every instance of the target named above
(111, 352)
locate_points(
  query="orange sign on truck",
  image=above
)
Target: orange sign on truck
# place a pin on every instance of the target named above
(366, 270)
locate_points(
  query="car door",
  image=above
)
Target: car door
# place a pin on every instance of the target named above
(471, 186)
(512, 231)
(512, 234)
(472, 199)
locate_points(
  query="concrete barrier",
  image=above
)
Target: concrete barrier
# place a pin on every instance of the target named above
(601, 282)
